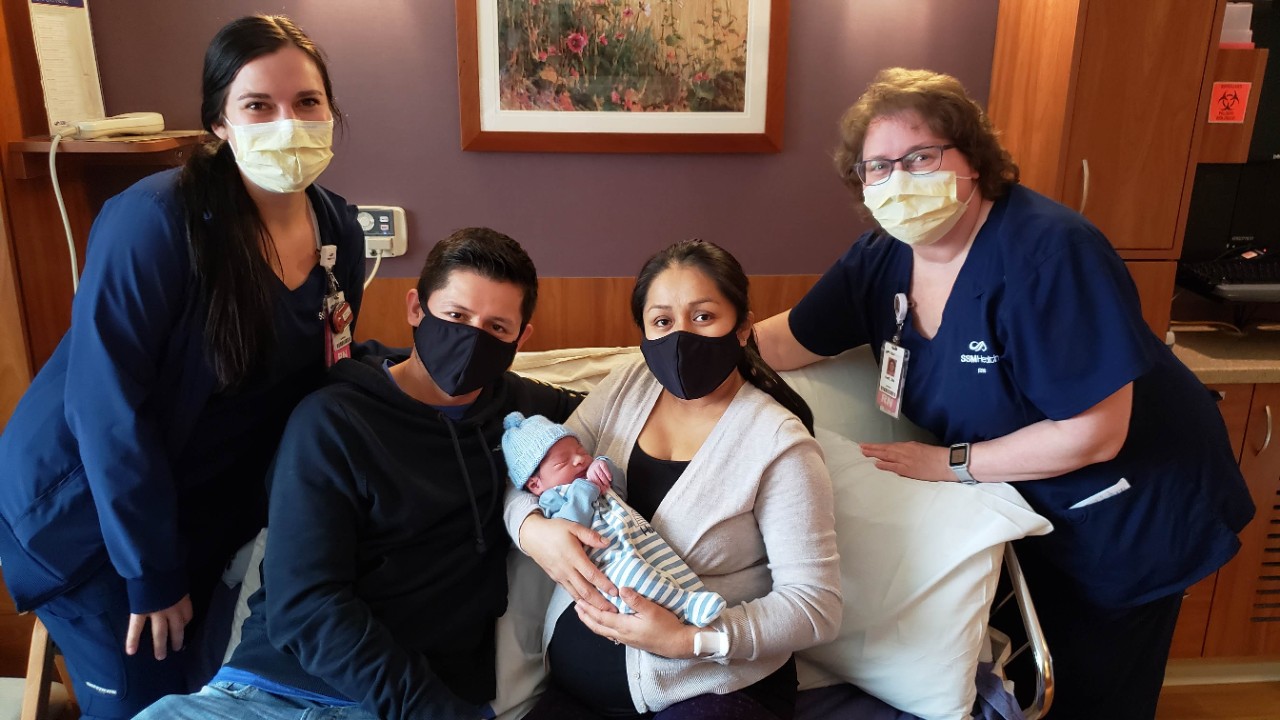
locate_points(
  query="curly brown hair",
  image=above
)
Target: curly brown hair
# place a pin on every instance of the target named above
(941, 101)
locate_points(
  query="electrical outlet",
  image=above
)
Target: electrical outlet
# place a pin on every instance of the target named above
(385, 231)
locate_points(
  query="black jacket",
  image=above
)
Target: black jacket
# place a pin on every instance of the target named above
(385, 565)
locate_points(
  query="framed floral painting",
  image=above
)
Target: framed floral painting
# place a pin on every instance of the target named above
(622, 75)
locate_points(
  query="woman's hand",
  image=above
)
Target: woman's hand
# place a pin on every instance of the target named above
(167, 628)
(911, 460)
(556, 545)
(652, 628)
(1043, 449)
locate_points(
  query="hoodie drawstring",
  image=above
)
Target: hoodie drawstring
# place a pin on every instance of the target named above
(481, 546)
(493, 473)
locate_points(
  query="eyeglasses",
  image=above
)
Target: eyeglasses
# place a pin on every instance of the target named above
(920, 161)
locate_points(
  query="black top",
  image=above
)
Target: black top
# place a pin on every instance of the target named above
(649, 479)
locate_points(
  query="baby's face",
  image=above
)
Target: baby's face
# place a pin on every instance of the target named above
(565, 462)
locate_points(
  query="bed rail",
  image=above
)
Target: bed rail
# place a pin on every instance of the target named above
(1035, 637)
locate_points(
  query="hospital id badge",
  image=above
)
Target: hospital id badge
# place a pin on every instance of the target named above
(893, 369)
(337, 328)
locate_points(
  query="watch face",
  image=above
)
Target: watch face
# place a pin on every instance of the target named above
(959, 455)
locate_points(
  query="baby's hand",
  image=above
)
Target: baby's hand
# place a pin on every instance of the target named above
(598, 472)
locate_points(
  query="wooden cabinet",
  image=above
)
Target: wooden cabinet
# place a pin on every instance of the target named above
(1235, 613)
(1099, 102)
(15, 636)
(1245, 616)
(1154, 279)
(1197, 602)
(1193, 620)
(1225, 142)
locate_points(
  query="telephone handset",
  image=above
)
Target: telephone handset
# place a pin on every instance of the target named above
(137, 123)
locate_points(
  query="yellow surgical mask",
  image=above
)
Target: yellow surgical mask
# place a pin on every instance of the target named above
(283, 156)
(917, 209)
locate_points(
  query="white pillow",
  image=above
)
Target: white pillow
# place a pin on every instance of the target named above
(919, 563)
(244, 569)
(575, 368)
(841, 392)
(520, 668)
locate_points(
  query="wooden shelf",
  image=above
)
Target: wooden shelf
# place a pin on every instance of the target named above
(29, 158)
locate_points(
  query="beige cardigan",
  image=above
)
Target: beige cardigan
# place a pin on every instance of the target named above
(751, 515)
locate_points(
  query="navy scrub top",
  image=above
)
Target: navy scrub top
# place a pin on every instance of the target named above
(1044, 322)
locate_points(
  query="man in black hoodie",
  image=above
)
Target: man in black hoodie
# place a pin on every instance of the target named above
(385, 568)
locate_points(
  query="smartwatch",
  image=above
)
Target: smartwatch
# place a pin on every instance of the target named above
(710, 644)
(959, 462)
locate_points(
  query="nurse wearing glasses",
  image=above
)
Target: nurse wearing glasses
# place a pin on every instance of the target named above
(1007, 326)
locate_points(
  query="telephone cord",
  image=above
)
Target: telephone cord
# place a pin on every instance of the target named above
(62, 208)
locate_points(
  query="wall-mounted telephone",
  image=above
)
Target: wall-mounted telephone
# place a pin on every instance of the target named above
(138, 123)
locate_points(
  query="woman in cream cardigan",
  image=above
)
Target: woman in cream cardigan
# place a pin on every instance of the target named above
(720, 458)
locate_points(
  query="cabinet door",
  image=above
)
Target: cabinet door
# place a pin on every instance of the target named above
(1197, 602)
(1142, 64)
(1155, 279)
(1245, 619)
(1193, 620)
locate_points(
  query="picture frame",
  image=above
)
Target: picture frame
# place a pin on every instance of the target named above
(622, 76)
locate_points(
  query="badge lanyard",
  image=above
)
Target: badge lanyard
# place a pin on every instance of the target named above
(335, 312)
(893, 363)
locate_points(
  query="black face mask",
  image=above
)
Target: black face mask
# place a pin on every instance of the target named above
(689, 365)
(460, 358)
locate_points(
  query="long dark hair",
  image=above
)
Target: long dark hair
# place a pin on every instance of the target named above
(724, 270)
(230, 245)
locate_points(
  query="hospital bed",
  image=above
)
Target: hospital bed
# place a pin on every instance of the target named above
(840, 392)
(836, 390)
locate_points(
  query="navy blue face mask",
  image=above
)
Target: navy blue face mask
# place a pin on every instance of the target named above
(460, 358)
(690, 365)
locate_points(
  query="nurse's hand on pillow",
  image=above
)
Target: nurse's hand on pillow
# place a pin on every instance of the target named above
(1045, 449)
(651, 628)
(556, 545)
(911, 459)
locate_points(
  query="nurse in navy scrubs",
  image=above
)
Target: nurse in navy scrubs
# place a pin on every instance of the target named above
(213, 297)
(1018, 341)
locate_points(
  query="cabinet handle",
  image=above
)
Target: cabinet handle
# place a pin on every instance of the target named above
(1266, 442)
(1084, 182)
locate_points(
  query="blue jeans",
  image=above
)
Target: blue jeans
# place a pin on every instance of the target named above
(234, 701)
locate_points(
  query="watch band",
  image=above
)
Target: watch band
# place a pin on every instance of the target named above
(960, 466)
(710, 644)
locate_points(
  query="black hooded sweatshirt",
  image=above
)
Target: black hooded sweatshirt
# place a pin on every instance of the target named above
(385, 566)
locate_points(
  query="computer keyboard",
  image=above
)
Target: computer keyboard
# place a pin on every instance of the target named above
(1252, 280)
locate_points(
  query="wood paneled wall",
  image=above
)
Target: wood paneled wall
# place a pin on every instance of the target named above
(572, 312)
(15, 92)
(595, 312)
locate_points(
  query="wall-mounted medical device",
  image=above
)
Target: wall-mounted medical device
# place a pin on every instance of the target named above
(385, 231)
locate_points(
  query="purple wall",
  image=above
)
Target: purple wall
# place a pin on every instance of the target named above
(394, 68)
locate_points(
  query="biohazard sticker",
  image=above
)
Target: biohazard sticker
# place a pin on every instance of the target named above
(1230, 102)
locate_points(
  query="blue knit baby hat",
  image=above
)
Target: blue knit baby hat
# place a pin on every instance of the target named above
(525, 441)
